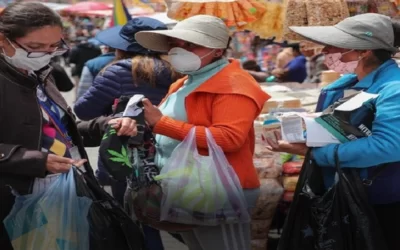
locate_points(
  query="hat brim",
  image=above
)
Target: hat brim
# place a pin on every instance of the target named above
(111, 38)
(158, 40)
(332, 36)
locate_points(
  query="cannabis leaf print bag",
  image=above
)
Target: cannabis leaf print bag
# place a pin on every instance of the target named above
(114, 155)
(115, 151)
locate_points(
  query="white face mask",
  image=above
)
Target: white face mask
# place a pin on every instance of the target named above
(185, 61)
(21, 60)
(332, 61)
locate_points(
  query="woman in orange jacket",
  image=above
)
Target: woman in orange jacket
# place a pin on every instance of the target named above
(217, 94)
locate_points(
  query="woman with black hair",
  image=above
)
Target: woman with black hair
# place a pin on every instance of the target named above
(39, 138)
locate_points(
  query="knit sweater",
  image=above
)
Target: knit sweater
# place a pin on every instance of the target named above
(227, 104)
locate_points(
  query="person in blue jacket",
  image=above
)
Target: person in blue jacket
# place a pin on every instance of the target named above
(363, 45)
(136, 71)
(141, 72)
(295, 70)
(92, 68)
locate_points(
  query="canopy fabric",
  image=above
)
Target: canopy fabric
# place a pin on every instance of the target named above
(88, 6)
(108, 13)
(57, 6)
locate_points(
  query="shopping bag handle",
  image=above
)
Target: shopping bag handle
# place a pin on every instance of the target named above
(211, 143)
(337, 163)
(191, 139)
(368, 181)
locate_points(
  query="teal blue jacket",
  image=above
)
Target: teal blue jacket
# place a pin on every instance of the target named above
(383, 146)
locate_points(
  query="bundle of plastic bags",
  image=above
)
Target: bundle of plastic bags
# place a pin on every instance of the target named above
(55, 219)
(271, 22)
(235, 13)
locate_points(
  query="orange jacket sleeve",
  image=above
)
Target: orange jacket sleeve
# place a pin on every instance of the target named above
(232, 119)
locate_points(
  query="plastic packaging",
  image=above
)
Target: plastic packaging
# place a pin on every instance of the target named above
(270, 194)
(53, 219)
(296, 15)
(290, 182)
(326, 12)
(292, 167)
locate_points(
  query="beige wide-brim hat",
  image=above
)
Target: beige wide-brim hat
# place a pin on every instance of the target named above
(207, 31)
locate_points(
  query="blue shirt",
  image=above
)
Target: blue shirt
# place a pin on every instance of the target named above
(174, 107)
(297, 69)
(383, 146)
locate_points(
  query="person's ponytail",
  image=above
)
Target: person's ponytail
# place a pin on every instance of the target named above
(396, 30)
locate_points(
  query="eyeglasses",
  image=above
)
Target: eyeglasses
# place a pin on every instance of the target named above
(60, 50)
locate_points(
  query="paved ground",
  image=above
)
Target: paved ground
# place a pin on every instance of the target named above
(169, 242)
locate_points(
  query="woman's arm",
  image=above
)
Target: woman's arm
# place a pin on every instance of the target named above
(383, 146)
(17, 160)
(232, 119)
(97, 101)
(92, 131)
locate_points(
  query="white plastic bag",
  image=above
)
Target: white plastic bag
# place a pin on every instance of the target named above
(55, 219)
(201, 190)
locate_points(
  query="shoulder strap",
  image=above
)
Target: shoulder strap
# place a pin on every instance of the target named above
(377, 172)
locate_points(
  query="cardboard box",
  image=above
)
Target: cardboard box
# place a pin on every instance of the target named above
(281, 102)
(351, 119)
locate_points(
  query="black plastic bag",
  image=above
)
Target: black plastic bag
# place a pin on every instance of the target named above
(338, 219)
(110, 226)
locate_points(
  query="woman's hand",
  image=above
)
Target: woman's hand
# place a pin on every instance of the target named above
(124, 126)
(151, 113)
(279, 145)
(57, 164)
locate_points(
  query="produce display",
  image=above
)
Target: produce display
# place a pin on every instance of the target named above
(271, 194)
